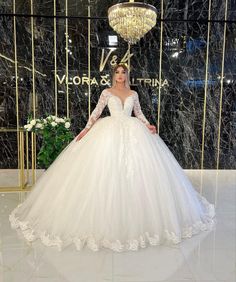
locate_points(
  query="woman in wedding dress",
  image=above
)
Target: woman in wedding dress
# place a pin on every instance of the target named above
(116, 185)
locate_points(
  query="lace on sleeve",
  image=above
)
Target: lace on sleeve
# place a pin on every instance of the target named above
(102, 101)
(137, 110)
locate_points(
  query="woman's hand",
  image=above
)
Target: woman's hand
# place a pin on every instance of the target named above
(152, 128)
(81, 134)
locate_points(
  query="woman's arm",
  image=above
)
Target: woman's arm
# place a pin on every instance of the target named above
(137, 110)
(102, 102)
(139, 114)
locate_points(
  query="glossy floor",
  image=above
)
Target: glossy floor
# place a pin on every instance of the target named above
(209, 256)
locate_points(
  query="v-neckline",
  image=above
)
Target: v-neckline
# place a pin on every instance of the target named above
(122, 104)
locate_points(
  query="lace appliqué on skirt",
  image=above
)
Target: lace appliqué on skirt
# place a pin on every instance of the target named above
(134, 244)
(128, 140)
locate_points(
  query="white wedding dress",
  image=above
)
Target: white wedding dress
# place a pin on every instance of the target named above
(119, 187)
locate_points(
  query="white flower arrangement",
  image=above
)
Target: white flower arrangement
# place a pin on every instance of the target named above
(54, 134)
(33, 122)
(67, 124)
(53, 121)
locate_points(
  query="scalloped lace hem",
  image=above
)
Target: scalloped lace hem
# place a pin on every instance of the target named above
(135, 244)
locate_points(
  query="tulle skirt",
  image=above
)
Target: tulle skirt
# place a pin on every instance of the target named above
(119, 187)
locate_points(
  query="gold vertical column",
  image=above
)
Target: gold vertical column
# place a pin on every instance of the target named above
(27, 156)
(55, 53)
(221, 86)
(160, 68)
(33, 136)
(67, 71)
(33, 157)
(32, 51)
(129, 61)
(17, 94)
(22, 158)
(206, 84)
(89, 62)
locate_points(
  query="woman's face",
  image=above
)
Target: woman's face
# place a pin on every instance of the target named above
(120, 75)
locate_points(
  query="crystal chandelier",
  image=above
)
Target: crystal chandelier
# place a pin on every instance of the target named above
(132, 20)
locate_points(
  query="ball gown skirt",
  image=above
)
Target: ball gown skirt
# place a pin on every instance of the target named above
(119, 187)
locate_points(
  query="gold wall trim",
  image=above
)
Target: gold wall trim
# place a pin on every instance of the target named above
(32, 51)
(221, 86)
(33, 88)
(89, 62)
(206, 84)
(55, 52)
(129, 67)
(33, 157)
(160, 67)
(27, 156)
(17, 92)
(22, 159)
(67, 54)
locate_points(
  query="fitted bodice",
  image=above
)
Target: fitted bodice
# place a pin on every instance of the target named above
(116, 106)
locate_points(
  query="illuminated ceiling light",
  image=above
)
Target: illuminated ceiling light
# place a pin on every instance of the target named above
(132, 20)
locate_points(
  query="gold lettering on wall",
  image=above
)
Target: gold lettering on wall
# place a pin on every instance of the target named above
(105, 80)
(114, 58)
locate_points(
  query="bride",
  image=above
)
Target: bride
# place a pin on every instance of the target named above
(116, 185)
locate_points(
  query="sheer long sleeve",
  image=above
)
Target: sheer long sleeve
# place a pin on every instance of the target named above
(137, 110)
(102, 102)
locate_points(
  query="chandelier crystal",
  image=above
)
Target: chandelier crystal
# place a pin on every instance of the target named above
(132, 20)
